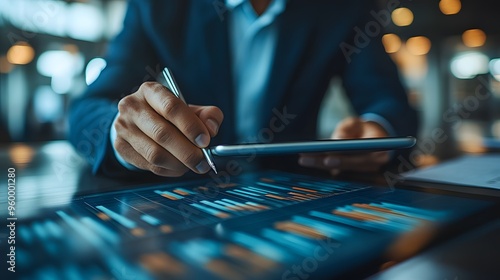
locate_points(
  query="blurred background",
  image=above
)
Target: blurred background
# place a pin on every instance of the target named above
(448, 53)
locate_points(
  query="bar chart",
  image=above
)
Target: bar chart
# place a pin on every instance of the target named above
(258, 226)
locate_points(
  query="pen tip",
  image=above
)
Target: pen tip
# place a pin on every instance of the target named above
(213, 167)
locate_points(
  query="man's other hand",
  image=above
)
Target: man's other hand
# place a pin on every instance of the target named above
(350, 128)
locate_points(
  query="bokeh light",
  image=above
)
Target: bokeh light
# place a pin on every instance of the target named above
(495, 68)
(402, 16)
(392, 42)
(469, 65)
(419, 45)
(93, 70)
(450, 7)
(21, 53)
(473, 38)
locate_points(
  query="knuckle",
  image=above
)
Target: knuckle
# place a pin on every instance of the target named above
(161, 134)
(170, 105)
(153, 155)
(191, 129)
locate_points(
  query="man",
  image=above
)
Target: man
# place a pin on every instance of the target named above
(258, 70)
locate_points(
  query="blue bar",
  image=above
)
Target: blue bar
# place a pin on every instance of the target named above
(260, 190)
(150, 220)
(247, 192)
(261, 247)
(54, 229)
(246, 196)
(169, 193)
(117, 217)
(214, 205)
(424, 214)
(273, 186)
(330, 230)
(206, 209)
(290, 240)
(25, 234)
(103, 231)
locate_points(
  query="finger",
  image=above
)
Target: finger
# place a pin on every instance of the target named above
(176, 112)
(211, 116)
(172, 140)
(348, 128)
(363, 163)
(129, 154)
(152, 152)
(160, 142)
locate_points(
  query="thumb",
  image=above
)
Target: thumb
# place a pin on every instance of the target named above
(348, 128)
(211, 116)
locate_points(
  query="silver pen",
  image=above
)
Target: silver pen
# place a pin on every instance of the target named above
(172, 86)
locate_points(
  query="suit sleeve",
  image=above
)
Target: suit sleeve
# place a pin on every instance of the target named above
(372, 84)
(130, 61)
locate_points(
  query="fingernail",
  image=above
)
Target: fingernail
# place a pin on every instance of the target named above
(306, 161)
(213, 126)
(202, 140)
(331, 162)
(203, 167)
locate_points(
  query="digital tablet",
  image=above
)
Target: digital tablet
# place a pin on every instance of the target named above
(318, 146)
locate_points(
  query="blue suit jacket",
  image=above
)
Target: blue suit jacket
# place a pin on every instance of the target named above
(191, 37)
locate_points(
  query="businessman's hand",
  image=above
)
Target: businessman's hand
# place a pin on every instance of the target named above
(350, 128)
(156, 131)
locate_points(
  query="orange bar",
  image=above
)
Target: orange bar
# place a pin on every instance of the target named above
(222, 215)
(161, 264)
(181, 192)
(165, 228)
(301, 195)
(257, 261)
(275, 196)
(267, 180)
(103, 216)
(299, 229)
(305, 190)
(359, 216)
(138, 232)
(380, 209)
(169, 196)
(223, 269)
(228, 185)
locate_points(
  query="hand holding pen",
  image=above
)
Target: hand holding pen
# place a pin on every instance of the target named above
(159, 132)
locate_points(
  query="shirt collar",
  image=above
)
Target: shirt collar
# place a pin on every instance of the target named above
(231, 4)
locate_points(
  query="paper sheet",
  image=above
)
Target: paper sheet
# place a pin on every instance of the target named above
(479, 171)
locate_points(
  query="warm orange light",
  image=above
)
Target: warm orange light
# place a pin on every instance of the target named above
(450, 7)
(392, 43)
(402, 16)
(473, 38)
(5, 65)
(20, 53)
(418, 45)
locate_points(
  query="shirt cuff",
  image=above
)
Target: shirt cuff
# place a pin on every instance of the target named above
(112, 137)
(371, 117)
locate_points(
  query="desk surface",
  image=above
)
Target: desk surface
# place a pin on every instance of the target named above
(51, 176)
